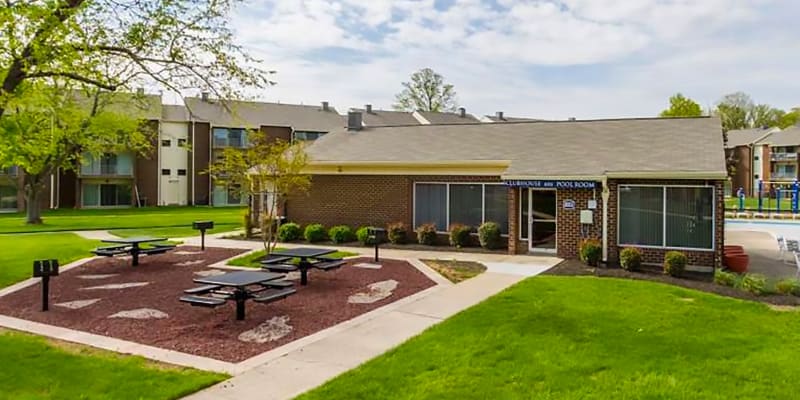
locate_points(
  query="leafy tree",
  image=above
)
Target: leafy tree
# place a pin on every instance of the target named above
(55, 128)
(111, 44)
(681, 106)
(734, 110)
(268, 171)
(790, 118)
(426, 91)
(764, 116)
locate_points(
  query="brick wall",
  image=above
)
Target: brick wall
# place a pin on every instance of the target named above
(743, 169)
(570, 231)
(515, 246)
(656, 256)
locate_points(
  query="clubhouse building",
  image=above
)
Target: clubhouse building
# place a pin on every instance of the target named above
(652, 183)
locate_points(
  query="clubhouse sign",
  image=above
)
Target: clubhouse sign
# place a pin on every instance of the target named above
(546, 184)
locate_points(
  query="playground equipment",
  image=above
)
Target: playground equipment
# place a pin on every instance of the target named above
(767, 190)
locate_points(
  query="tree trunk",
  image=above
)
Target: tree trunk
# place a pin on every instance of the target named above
(33, 208)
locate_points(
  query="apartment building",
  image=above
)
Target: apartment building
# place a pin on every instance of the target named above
(766, 155)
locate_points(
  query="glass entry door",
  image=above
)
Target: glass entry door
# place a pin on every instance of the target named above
(542, 220)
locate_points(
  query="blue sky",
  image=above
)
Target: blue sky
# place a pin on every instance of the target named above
(545, 59)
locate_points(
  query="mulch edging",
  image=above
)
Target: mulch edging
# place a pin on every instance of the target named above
(701, 282)
(205, 332)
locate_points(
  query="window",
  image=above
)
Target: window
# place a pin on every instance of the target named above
(107, 164)
(165, 172)
(181, 142)
(756, 176)
(166, 143)
(227, 195)
(230, 137)
(181, 172)
(302, 135)
(755, 158)
(106, 195)
(10, 171)
(443, 204)
(666, 216)
(8, 198)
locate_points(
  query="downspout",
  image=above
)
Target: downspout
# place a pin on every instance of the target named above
(605, 194)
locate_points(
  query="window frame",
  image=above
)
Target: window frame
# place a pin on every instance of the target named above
(447, 202)
(664, 218)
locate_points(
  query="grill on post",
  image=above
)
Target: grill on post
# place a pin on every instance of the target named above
(202, 226)
(45, 269)
(376, 236)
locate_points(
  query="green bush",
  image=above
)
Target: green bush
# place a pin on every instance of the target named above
(675, 263)
(753, 283)
(314, 233)
(426, 234)
(725, 278)
(489, 235)
(788, 286)
(289, 232)
(590, 252)
(459, 235)
(397, 233)
(341, 234)
(630, 259)
(363, 236)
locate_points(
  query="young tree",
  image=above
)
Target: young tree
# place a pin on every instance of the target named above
(681, 106)
(268, 171)
(790, 118)
(426, 92)
(54, 128)
(111, 44)
(734, 110)
(764, 116)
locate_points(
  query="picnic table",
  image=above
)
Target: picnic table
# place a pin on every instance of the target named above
(305, 255)
(262, 287)
(132, 246)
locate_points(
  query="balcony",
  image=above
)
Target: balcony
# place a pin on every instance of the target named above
(115, 165)
(783, 157)
(782, 176)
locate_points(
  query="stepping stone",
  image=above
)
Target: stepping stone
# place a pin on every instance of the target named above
(368, 265)
(209, 272)
(97, 276)
(189, 263)
(186, 253)
(114, 286)
(292, 276)
(270, 331)
(375, 292)
(77, 304)
(141, 313)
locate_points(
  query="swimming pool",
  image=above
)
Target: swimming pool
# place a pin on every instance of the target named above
(775, 227)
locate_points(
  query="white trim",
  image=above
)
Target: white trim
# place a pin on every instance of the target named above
(664, 218)
(532, 249)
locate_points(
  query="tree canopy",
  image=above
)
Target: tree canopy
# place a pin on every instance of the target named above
(681, 106)
(426, 91)
(112, 44)
(739, 111)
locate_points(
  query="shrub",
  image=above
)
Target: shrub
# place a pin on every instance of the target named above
(363, 236)
(489, 235)
(753, 283)
(630, 259)
(341, 234)
(788, 286)
(725, 278)
(590, 251)
(426, 234)
(289, 232)
(675, 263)
(314, 233)
(459, 235)
(397, 233)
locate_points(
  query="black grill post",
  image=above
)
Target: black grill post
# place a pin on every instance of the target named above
(202, 226)
(376, 235)
(45, 269)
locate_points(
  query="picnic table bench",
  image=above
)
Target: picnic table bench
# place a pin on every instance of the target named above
(133, 247)
(309, 257)
(259, 286)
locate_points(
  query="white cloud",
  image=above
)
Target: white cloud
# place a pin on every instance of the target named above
(632, 53)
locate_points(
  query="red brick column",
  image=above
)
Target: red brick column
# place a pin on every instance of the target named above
(513, 222)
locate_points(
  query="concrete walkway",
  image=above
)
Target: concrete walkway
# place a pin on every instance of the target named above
(763, 251)
(314, 363)
(95, 235)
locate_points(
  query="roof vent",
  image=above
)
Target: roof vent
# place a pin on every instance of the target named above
(572, 119)
(325, 106)
(368, 107)
(204, 96)
(462, 112)
(499, 115)
(354, 122)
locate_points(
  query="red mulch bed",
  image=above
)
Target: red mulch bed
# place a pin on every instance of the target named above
(202, 331)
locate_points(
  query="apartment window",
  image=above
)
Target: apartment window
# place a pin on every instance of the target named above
(230, 137)
(181, 142)
(303, 135)
(230, 195)
(181, 172)
(165, 172)
(166, 143)
(666, 216)
(105, 195)
(9, 171)
(107, 164)
(444, 204)
(8, 198)
(756, 176)
(755, 158)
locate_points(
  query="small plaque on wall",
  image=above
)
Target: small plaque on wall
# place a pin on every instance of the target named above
(592, 205)
(569, 204)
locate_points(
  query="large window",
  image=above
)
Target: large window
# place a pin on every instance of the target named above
(443, 204)
(8, 198)
(228, 196)
(106, 195)
(667, 216)
(230, 137)
(107, 164)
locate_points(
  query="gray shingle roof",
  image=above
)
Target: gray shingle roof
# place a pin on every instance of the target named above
(386, 118)
(174, 113)
(743, 137)
(136, 105)
(542, 149)
(447, 118)
(255, 114)
(787, 137)
(494, 118)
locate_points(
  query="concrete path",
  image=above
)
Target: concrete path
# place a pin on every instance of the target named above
(95, 235)
(316, 362)
(763, 251)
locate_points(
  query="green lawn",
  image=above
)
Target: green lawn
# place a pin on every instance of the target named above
(125, 218)
(590, 338)
(251, 260)
(34, 368)
(17, 252)
(751, 203)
